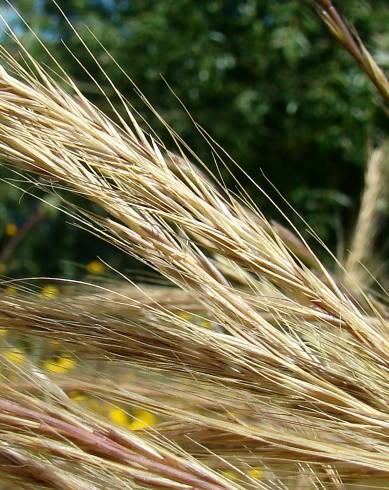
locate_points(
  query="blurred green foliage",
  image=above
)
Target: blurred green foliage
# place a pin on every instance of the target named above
(264, 78)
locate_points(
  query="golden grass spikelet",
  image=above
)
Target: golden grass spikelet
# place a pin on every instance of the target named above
(291, 377)
(354, 45)
(359, 261)
(58, 430)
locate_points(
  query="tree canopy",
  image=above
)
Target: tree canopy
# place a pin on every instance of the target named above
(264, 79)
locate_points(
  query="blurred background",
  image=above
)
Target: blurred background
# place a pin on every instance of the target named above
(265, 79)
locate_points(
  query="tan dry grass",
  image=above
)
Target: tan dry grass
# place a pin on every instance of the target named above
(361, 260)
(298, 372)
(354, 45)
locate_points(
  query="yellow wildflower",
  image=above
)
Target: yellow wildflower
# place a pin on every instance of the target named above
(10, 291)
(49, 291)
(95, 267)
(11, 229)
(118, 416)
(60, 365)
(185, 315)
(2, 268)
(231, 475)
(256, 473)
(15, 355)
(76, 396)
(95, 405)
(206, 324)
(142, 420)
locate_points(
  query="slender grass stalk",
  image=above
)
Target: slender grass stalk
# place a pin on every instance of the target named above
(57, 431)
(353, 44)
(373, 201)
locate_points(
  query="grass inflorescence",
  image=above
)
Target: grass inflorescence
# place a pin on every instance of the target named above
(254, 366)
